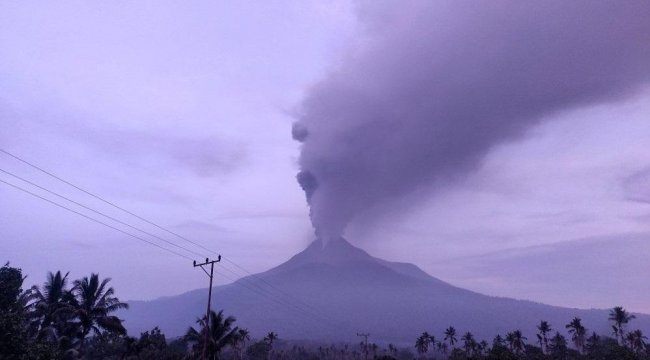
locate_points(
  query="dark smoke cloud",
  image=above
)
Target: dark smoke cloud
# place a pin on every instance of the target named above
(437, 84)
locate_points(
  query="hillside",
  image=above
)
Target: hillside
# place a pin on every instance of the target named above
(348, 291)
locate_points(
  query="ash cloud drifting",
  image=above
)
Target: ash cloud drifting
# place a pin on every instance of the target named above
(437, 84)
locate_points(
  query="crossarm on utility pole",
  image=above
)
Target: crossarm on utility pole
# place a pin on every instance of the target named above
(365, 343)
(207, 314)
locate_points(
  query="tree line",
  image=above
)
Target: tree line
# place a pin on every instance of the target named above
(75, 319)
(548, 344)
(64, 319)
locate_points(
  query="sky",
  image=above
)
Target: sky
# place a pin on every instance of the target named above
(183, 113)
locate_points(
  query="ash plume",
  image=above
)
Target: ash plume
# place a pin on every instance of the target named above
(437, 84)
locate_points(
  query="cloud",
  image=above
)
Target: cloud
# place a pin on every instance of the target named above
(81, 245)
(637, 186)
(201, 225)
(262, 214)
(436, 86)
(204, 155)
(601, 271)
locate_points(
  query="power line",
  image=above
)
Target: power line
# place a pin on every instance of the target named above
(287, 304)
(261, 279)
(92, 219)
(151, 223)
(266, 292)
(102, 199)
(100, 213)
(277, 298)
(316, 317)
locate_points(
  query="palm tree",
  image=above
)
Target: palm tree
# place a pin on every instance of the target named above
(578, 333)
(422, 343)
(620, 317)
(544, 328)
(518, 344)
(432, 342)
(557, 344)
(93, 303)
(636, 339)
(468, 342)
(392, 350)
(483, 347)
(52, 305)
(239, 341)
(53, 311)
(443, 347)
(374, 348)
(221, 334)
(592, 341)
(270, 338)
(498, 341)
(450, 336)
(510, 340)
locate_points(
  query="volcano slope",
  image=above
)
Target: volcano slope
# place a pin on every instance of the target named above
(330, 292)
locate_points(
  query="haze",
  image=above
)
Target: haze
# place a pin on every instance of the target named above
(183, 113)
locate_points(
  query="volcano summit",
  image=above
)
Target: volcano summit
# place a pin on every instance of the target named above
(330, 291)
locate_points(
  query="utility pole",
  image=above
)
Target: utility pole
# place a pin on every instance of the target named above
(207, 315)
(365, 343)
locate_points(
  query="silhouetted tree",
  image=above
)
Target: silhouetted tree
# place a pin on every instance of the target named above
(578, 333)
(270, 338)
(499, 350)
(620, 317)
(221, 334)
(443, 347)
(592, 342)
(468, 342)
(558, 346)
(482, 347)
(54, 309)
(392, 350)
(543, 328)
(510, 340)
(94, 302)
(518, 342)
(422, 343)
(636, 341)
(450, 336)
(239, 341)
(258, 351)
(13, 334)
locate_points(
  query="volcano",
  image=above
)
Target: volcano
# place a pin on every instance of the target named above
(331, 291)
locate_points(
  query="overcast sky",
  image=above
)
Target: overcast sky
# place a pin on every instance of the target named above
(182, 112)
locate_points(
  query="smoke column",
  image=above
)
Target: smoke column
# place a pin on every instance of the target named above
(437, 84)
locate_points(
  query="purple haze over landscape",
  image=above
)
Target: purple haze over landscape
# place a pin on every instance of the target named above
(500, 146)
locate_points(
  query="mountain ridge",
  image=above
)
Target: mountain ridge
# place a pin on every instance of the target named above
(348, 290)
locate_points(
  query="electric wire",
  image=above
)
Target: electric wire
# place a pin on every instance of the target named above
(246, 278)
(278, 299)
(315, 317)
(234, 281)
(92, 219)
(99, 212)
(153, 224)
(101, 199)
(261, 279)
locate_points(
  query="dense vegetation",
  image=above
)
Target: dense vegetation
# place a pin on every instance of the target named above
(548, 344)
(65, 319)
